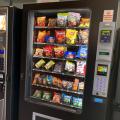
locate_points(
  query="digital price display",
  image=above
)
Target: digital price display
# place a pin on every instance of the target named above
(105, 36)
(102, 69)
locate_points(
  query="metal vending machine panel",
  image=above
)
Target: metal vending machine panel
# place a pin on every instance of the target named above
(3, 61)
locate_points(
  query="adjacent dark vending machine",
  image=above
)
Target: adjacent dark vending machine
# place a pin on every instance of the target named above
(10, 21)
(67, 60)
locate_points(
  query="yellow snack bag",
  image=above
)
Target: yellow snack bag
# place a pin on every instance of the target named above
(71, 36)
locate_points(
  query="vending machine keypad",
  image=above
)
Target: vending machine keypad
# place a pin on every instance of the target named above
(103, 59)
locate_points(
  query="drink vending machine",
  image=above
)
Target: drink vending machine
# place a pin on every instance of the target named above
(67, 60)
(10, 20)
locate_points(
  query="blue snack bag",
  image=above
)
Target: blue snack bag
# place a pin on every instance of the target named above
(49, 79)
(82, 52)
(70, 54)
(66, 98)
(77, 102)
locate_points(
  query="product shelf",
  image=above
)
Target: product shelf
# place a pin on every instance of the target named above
(59, 89)
(53, 58)
(59, 73)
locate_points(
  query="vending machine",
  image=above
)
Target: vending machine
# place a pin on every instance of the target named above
(10, 29)
(68, 60)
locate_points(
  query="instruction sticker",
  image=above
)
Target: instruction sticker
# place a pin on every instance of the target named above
(108, 15)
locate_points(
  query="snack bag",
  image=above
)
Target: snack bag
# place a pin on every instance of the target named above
(70, 55)
(60, 36)
(56, 98)
(62, 19)
(59, 51)
(71, 36)
(45, 80)
(48, 50)
(52, 22)
(37, 79)
(38, 52)
(41, 36)
(41, 21)
(40, 63)
(64, 84)
(37, 75)
(85, 22)
(50, 39)
(75, 84)
(81, 86)
(49, 79)
(49, 65)
(82, 52)
(83, 36)
(58, 67)
(69, 85)
(66, 98)
(73, 19)
(81, 68)
(70, 66)
(37, 94)
(55, 81)
(77, 102)
(46, 96)
(59, 83)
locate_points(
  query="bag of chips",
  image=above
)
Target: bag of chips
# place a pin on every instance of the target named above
(58, 67)
(77, 102)
(55, 81)
(46, 96)
(50, 39)
(71, 36)
(41, 21)
(56, 98)
(49, 65)
(59, 51)
(62, 19)
(69, 85)
(81, 86)
(49, 79)
(40, 63)
(41, 36)
(70, 54)
(85, 22)
(75, 84)
(52, 22)
(83, 36)
(70, 66)
(37, 94)
(66, 98)
(73, 19)
(59, 83)
(45, 80)
(64, 84)
(82, 52)
(48, 50)
(38, 52)
(60, 36)
(38, 79)
(81, 68)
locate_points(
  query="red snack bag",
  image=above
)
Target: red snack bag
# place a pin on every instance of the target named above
(41, 36)
(56, 98)
(59, 51)
(60, 36)
(48, 50)
(41, 21)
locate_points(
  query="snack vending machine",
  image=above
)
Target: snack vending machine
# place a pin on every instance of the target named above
(62, 78)
(9, 61)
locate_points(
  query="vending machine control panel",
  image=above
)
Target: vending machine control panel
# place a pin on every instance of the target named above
(103, 58)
